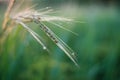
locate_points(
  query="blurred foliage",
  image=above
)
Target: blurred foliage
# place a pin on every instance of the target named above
(97, 48)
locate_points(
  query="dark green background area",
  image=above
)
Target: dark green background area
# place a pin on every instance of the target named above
(97, 44)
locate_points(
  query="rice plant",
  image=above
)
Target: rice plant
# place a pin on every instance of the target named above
(30, 15)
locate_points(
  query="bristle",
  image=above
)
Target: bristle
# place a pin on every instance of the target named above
(35, 35)
(63, 28)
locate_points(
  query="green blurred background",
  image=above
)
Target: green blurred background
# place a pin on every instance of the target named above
(97, 44)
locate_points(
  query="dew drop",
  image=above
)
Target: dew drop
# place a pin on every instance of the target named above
(44, 48)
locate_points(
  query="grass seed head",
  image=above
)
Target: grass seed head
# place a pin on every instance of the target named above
(31, 15)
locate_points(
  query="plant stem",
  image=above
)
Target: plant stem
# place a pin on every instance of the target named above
(6, 17)
(5, 21)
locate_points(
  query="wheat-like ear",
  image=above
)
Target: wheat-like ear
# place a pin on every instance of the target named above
(30, 15)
